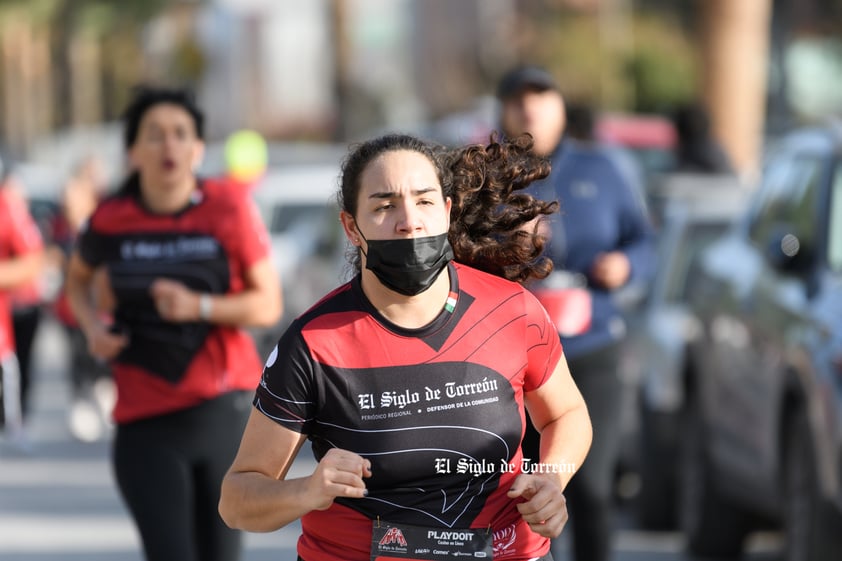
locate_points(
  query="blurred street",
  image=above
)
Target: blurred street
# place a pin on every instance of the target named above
(58, 501)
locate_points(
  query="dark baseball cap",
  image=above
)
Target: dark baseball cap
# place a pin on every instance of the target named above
(525, 77)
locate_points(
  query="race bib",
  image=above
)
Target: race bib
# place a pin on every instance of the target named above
(391, 542)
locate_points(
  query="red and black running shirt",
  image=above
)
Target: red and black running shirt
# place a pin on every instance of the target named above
(208, 246)
(438, 410)
(19, 235)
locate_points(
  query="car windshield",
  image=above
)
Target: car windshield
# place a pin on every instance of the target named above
(695, 238)
(283, 216)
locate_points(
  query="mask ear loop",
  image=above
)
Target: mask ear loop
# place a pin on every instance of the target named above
(363, 237)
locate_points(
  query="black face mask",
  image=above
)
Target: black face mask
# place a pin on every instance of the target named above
(409, 265)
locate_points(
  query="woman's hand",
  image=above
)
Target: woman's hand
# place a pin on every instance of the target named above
(544, 507)
(174, 301)
(340, 473)
(104, 344)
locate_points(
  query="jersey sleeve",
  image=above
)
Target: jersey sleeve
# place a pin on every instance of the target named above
(543, 346)
(287, 390)
(89, 244)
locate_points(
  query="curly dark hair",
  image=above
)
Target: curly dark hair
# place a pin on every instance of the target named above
(493, 227)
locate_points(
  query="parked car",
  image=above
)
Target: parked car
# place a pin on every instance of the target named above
(694, 210)
(298, 206)
(762, 438)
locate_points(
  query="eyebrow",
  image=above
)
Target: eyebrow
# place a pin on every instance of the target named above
(395, 194)
(157, 128)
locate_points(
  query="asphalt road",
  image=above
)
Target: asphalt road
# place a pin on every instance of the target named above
(58, 500)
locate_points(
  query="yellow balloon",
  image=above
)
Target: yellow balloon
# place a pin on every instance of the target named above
(246, 155)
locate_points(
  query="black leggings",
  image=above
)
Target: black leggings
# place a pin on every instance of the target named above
(25, 323)
(169, 470)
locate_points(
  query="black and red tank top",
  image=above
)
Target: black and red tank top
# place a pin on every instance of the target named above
(208, 246)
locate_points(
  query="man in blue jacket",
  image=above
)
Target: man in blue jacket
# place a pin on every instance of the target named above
(601, 242)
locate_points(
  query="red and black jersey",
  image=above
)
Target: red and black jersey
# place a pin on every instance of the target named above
(208, 246)
(438, 410)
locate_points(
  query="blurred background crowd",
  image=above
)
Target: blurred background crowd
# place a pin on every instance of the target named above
(334, 70)
(736, 339)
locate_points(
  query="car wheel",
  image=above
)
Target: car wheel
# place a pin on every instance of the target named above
(713, 528)
(657, 499)
(810, 532)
